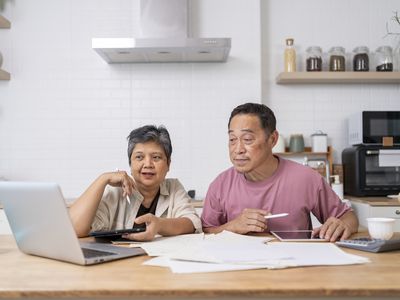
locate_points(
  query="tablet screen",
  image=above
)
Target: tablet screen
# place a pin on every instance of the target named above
(296, 236)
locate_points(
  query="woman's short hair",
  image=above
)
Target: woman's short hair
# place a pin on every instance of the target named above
(149, 133)
(263, 112)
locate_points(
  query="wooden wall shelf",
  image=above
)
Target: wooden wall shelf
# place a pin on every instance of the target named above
(4, 23)
(4, 75)
(308, 153)
(338, 77)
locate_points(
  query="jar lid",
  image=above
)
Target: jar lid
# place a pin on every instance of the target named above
(337, 49)
(361, 49)
(384, 49)
(318, 132)
(289, 41)
(314, 48)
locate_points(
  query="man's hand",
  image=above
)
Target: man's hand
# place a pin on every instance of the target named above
(152, 228)
(250, 220)
(333, 229)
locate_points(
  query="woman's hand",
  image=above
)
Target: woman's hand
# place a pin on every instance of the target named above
(152, 228)
(123, 180)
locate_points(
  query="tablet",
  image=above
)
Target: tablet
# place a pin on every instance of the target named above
(296, 236)
(115, 234)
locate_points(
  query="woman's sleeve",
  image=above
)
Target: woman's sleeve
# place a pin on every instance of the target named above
(101, 220)
(181, 206)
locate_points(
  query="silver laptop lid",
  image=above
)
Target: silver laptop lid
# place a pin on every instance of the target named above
(39, 220)
(41, 225)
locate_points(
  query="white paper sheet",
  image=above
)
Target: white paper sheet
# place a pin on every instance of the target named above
(166, 245)
(185, 267)
(228, 251)
(188, 243)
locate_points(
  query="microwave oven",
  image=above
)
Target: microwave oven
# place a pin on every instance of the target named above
(371, 170)
(371, 127)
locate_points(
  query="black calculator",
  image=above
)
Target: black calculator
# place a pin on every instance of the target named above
(371, 245)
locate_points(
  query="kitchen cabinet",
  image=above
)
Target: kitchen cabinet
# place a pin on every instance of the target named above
(338, 77)
(370, 207)
(4, 23)
(311, 157)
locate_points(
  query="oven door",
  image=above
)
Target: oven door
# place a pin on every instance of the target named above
(381, 173)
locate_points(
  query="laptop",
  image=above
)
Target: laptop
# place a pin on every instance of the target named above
(41, 225)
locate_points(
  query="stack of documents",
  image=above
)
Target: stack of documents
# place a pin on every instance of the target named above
(227, 251)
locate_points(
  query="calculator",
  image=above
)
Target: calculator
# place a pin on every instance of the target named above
(371, 245)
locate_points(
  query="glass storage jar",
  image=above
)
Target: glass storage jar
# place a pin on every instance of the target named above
(396, 59)
(361, 59)
(314, 59)
(337, 60)
(384, 59)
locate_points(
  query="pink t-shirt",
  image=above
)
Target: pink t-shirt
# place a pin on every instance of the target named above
(293, 188)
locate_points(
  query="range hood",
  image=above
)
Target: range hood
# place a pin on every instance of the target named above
(165, 38)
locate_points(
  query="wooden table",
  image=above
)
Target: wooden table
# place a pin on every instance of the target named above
(25, 276)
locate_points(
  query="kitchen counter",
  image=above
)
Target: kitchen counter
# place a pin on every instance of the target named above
(374, 201)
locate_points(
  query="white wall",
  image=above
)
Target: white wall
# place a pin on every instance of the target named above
(348, 23)
(65, 114)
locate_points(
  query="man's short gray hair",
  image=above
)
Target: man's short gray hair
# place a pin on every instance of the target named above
(149, 133)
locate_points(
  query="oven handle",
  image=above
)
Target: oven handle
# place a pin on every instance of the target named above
(372, 152)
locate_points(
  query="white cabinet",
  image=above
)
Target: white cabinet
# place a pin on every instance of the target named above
(4, 226)
(376, 207)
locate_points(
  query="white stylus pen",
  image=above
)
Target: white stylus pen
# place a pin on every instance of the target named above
(127, 196)
(276, 216)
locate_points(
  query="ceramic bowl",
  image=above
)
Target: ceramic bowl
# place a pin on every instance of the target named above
(380, 228)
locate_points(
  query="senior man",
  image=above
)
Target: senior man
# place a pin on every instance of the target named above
(260, 183)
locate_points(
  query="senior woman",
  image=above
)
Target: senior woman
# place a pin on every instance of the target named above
(162, 204)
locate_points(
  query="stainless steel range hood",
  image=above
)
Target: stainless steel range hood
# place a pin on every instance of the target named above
(164, 26)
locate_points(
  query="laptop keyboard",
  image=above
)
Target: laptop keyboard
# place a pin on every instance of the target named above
(91, 253)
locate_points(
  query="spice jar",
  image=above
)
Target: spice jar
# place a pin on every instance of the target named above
(337, 60)
(314, 59)
(384, 59)
(361, 59)
(290, 56)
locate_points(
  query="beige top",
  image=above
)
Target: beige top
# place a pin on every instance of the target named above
(114, 211)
